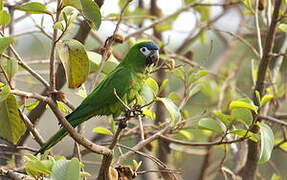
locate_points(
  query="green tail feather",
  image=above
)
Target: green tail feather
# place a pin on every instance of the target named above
(59, 135)
(53, 141)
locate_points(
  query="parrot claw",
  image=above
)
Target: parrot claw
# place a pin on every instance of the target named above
(122, 121)
(134, 111)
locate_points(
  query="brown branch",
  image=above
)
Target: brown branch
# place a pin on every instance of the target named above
(248, 172)
(28, 68)
(14, 175)
(267, 52)
(246, 43)
(185, 143)
(52, 55)
(185, 8)
(273, 120)
(181, 49)
(77, 137)
(20, 147)
(141, 144)
(31, 128)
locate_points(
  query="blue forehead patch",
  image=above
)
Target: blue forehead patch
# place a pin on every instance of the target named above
(151, 45)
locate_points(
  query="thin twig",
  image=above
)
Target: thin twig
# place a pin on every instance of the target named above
(32, 129)
(258, 32)
(52, 55)
(20, 147)
(274, 120)
(141, 145)
(77, 137)
(249, 170)
(139, 118)
(185, 143)
(185, 8)
(27, 68)
(14, 175)
(241, 40)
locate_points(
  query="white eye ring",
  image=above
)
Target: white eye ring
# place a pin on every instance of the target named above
(145, 51)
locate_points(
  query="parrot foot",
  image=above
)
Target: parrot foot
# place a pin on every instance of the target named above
(122, 121)
(129, 113)
(134, 111)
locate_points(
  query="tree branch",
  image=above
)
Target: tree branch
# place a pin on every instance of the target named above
(249, 170)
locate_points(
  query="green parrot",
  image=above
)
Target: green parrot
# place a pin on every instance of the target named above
(126, 80)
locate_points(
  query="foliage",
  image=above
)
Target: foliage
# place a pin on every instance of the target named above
(205, 90)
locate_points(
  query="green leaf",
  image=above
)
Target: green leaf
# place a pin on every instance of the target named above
(283, 27)
(146, 94)
(74, 3)
(242, 114)
(186, 134)
(209, 124)
(173, 96)
(11, 68)
(136, 165)
(32, 105)
(82, 92)
(75, 60)
(4, 93)
(226, 119)
(4, 43)
(1, 5)
(179, 73)
(36, 167)
(267, 141)
(276, 177)
(163, 85)
(66, 170)
(248, 4)
(95, 60)
(266, 99)
(73, 169)
(149, 114)
(204, 12)
(196, 76)
(59, 25)
(153, 85)
(91, 12)
(66, 18)
(12, 126)
(242, 133)
(34, 8)
(243, 103)
(85, 174)
(254, 67)
(63, 108)
(172, 109)
(5, 18)
(102, 130)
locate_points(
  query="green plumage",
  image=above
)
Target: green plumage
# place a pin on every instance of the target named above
(127, 79)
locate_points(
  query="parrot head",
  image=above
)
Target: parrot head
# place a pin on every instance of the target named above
(150, 50)
(142, 55)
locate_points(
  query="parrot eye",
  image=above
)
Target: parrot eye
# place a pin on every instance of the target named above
(145, 51)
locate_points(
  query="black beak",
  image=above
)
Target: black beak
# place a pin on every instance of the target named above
(152, 58)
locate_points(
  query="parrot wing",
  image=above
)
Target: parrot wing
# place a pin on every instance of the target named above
(99, 102)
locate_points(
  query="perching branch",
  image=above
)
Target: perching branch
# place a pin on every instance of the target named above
(77, 137)
(141, 144)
